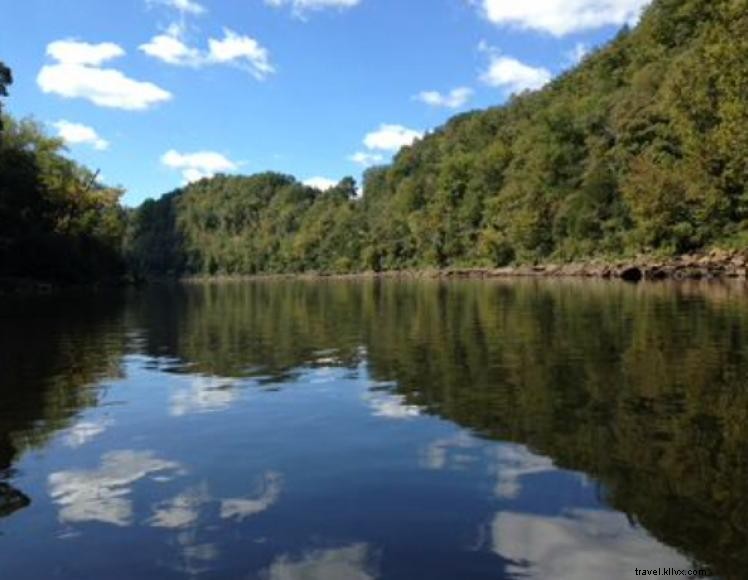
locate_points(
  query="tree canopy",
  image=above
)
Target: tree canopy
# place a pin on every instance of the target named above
(639, 149)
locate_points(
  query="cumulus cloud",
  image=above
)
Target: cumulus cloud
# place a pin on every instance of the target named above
(299, 7)
(74, 52)
(562, 17)
(183, 6)
(169, 48)
(514, 76)
(77, 73)
(240, 50)
(233, 49)
(196, 166)
(77, 134)
(366, 159)
(321, 183)
(391, 138)
(455, 99)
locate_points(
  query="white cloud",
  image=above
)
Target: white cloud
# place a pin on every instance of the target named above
(77, 74)
(562, 17)
(241, 50)
(74, 52)
(183, 6)
(353, 562)
(366, 159)
(321, 183)
(576, 54)
(513, 75)
(455, 99)
(101, 494)
(241, 508)
(196, 166)
(391, 138)
(233, 49)
(76, 134)
(299, 7)
(170, 49)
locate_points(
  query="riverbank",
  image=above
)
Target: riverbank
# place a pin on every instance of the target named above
(714, 265)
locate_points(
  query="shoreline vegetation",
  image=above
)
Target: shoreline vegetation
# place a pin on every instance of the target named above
(632, 164)
(716, 265)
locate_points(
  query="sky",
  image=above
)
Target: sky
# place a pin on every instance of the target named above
(157, 93)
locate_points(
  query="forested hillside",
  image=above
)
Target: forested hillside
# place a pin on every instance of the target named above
(642, 148)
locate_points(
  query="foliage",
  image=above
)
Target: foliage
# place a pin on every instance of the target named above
(641, 148)
(56, 222)
(6, 79)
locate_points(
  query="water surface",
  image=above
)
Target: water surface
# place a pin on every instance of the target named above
(375, 429)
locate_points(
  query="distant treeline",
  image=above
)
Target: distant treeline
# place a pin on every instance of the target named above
(641, 148)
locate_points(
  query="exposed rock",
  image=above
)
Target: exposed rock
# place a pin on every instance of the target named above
(631, 274)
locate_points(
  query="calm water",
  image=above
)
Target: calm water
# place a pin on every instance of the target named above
(360, 430)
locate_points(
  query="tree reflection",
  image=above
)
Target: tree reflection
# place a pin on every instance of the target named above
(52, 349)
(642, 388)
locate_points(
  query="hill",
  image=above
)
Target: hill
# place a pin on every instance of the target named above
(642, 148)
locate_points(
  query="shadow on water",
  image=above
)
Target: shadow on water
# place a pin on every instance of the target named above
(53, 352)
(644, 389)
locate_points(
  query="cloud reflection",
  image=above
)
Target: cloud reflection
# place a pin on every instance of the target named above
(578, 545)
(353, 562)
(513, 463)
(181, 511)
(241, 508)
(391, 406)
(205, 395)
(84, 431)
(449, 452)
(101, 494)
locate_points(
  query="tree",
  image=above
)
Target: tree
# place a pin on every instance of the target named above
(6, 79)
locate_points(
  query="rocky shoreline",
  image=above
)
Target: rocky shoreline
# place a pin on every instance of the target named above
(717, 264)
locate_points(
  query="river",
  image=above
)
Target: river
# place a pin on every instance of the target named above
(367, 429)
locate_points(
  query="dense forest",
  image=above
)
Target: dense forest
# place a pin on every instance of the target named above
(640, 149)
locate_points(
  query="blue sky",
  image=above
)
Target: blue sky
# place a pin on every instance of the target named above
(155, 93)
